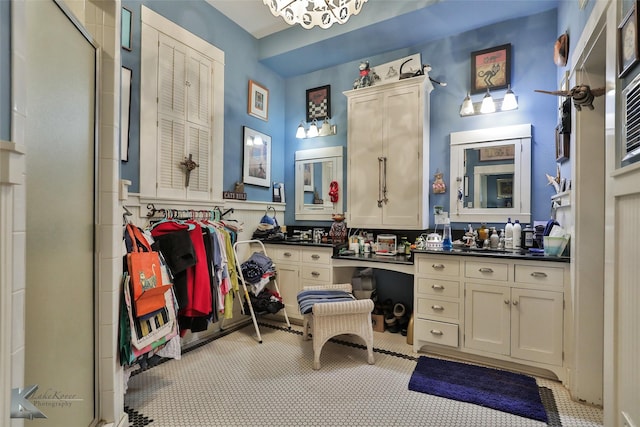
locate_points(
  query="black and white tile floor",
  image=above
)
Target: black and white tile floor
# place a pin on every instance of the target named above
(235, 381)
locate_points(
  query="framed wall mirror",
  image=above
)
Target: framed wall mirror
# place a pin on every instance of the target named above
(316, 170)
(491, 175)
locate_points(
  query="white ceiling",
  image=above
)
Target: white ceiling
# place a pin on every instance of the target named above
(386, 25)
(252, 15)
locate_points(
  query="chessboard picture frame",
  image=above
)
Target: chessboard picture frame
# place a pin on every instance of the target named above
(318, 103)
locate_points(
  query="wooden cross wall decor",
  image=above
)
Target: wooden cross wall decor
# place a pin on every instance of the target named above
(189, 165)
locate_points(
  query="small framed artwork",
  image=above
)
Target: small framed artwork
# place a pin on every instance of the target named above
(319, 103)
(258, 103)
(628, 41)
(491, 68)
(125, 28)
(499, 152)
(125, 104)
(256, 165)
(505, 188)
(562, 145)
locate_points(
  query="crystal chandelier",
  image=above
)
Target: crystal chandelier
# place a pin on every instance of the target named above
(309, 13)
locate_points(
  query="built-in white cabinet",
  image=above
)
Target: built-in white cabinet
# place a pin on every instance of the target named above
(506, 309)
(388, 155)
(181, 114)
(298, 266)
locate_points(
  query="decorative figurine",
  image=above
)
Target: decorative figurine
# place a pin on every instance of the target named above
(365, 79)
(439, 186)
(582, 95)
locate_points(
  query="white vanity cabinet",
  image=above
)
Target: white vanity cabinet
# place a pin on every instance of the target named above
(388, 155)
(298, 266)
(508, 309)
(437, 301)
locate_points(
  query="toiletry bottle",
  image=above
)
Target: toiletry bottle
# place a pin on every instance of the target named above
(501, 240)
(447, 245)
(494, 239)
(508, 235)
(517, 235)
(528, 237)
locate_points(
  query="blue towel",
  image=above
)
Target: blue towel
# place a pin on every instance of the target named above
(306, 299)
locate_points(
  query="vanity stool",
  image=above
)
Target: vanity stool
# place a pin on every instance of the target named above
(332, 310)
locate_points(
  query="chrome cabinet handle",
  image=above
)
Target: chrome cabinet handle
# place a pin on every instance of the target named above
(515, 302)
(436, 332)
(379, 182)
(384, 180)
(315, 256)
(437, 307)
(539, 274)
(506, 301)
(315, 273)
(437, 287)
(485, 270)
(437, 266)
(287, 254)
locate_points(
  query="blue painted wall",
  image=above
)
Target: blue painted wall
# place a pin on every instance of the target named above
(531, 39)
(241, 65)
(5, 70)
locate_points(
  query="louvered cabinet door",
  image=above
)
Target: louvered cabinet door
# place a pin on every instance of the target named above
(198, 83)
(172, 77)
(199, 147)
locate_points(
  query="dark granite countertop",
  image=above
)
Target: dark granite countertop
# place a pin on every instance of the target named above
(494, 253)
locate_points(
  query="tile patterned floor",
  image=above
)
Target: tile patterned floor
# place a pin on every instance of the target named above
(235, 381)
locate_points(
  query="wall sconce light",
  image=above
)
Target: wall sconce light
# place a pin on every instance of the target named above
(327, 129)
(488, 104)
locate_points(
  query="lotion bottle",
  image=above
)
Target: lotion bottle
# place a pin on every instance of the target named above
(517, 235)
(508, 235)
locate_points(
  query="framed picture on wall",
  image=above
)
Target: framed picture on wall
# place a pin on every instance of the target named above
(628, 41)
(125, 104)
(258, 102)
(562, 144)
(491, 68)
(256, 165)
(318, 103)
(125, 28)
(505, 188)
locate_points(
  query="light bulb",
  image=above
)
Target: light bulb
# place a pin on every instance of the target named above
(313, 129)
(467, 106)
(325, 129)
(488, 106)
(301, 133)
(509, 102)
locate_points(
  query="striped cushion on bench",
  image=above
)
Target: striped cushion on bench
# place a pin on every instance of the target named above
(306, 299)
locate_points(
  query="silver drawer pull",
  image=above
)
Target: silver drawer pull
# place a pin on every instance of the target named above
(437, 287)
(506, 301)
(539, 274)
(436, 332)
(437, 307)
(485, 270)
(515, 302)
(287, 254)
(315, 273)
(315, 256)
(437, 266)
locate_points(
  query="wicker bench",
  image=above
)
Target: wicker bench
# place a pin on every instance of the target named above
(331, 318)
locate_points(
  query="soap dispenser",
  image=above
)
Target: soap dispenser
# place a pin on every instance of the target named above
(494, 239)
(447, 244)
(508, 235)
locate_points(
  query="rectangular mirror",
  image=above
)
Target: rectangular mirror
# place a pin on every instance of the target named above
(491, 175)
(316, 170)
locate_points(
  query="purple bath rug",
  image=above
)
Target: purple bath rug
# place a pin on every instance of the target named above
(492, 388)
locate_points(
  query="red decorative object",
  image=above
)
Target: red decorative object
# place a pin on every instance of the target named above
(334, 191)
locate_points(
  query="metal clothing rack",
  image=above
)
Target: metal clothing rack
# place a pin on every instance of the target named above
(214, 214)
(274, 281)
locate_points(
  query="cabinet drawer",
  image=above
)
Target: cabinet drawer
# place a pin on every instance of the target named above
(486, 270)
(436, 332)
(437, 287)
(540, 275)
(312, 272)
(428, 307)
(316, 256)
(441, 267)
(284, 253)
